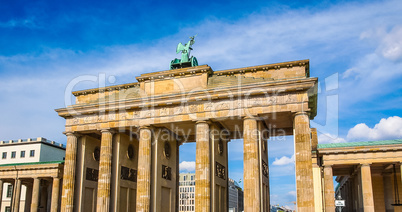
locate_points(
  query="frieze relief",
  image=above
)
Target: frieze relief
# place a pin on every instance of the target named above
(92, 174)
(166, 172)
(265, 169)
(220, 171)
(184, 109)
(128, 174)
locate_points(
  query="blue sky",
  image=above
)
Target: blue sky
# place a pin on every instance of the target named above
(354, 47)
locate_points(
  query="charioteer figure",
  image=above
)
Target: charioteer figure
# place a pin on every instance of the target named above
(186, 60)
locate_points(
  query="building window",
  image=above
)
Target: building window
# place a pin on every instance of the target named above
(32, 153)
(9, 190)
(8, 209)
(22, 154)
(4, 155)
(13, 154)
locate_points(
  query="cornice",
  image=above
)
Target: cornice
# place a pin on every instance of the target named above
(228, 92)
(267, 67)
(177, 73)
(360, 149)
(174, 73)
(103, 89)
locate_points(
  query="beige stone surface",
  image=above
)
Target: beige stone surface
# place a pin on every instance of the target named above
(67, 199)
(252, 189)
(219, 180)
(329, 192)
(144, 171)
(177, 99)
(164, 190)
(105, 172)
(304, 171)
(367, 188)
(317, 179)
(202, 169)
(263, 166)
(123, 192)
(35, 195)
(16, 199)
(86, 190)
(378, 192)
(55, 195)
(317, 176)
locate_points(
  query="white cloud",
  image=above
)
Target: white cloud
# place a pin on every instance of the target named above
(390, 128)
(284, 161)
(374, 72)
(391, 44)
(187, 166)
(329, 138)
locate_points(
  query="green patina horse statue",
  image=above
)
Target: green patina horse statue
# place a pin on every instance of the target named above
(186, 60)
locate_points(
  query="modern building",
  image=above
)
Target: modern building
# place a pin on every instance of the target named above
(277, 208)
(187, 192)
(235, 197)
(30, 169)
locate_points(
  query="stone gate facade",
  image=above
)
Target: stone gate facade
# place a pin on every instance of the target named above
(123, 141)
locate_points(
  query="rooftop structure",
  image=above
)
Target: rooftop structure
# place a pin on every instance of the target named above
(29, 170)
(30, 150)
(368, 174)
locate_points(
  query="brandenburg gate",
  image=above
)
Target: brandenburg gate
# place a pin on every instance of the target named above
(123, 141)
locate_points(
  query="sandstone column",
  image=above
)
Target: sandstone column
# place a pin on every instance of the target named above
(304, 171)
(67, 195)
(367, 188)
(105, 171)
(1, 192)
(35, 195)
(28, 198)
(144, 171)
(329, 191)
(202, 169)
(252, 201)
(16, 198)
(55, 195)
(317, 179)
(388, 191)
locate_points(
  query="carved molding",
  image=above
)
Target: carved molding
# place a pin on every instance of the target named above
(215, 109)
(166, 172)
(220, 170)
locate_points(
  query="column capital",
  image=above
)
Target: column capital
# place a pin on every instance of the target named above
(108, 130)
(145, 127)
(72, 133)
(366, 164)
(300, 113)
(250, 117)
(201, 121)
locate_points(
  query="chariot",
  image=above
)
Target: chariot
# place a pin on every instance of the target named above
(186, 60)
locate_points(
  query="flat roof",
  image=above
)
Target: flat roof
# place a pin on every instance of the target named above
(361, 143)
(33, 141)
(32, 163)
